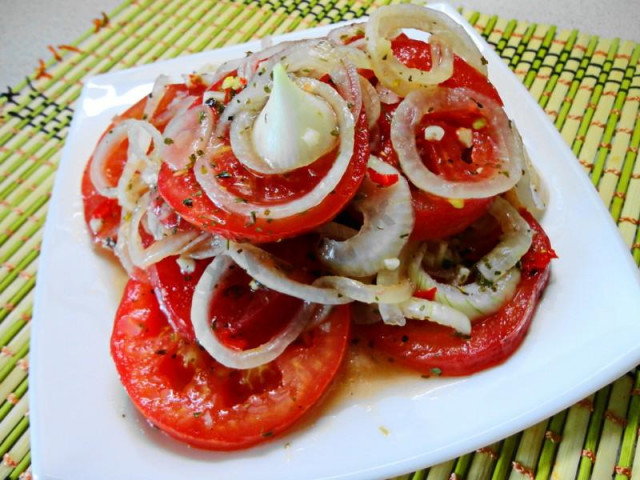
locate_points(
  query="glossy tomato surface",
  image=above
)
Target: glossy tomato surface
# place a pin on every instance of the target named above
(437, 350)
(179, 387)
(185, 195)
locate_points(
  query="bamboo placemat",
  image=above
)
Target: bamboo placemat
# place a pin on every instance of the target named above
(588, 86)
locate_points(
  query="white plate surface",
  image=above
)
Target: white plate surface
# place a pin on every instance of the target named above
(585, 333)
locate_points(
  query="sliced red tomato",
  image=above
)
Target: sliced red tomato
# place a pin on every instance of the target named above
(184, 194)
(437, 350)
(179, 388)
(174, 291)
(437, 217)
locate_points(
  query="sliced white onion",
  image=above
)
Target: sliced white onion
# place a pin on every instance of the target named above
(474, 300)
(266, 269)
(514, 242)
(388, 221)
(355, 55)
(387, 96)
(224, 199)
(446, 38)
(206, 288)
(420, 309)
(508, 155)
(371, 102)
(186, 137)
(158, 91)
(310, 58)
(530, 189)
(170, 245)
(294, 129)
(121, 249)
(180, 104)
(391, 313)
(366, 293)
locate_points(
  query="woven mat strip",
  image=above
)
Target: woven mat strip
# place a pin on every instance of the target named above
(588, 86)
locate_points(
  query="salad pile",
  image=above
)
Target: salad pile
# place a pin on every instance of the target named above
(365, 187)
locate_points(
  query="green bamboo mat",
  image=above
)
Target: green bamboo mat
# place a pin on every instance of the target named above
(588, 86)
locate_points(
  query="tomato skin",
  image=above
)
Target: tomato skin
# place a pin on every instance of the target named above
(205, 215)
(417, 54)
(183, 391)
(434, 349)
(437, 218)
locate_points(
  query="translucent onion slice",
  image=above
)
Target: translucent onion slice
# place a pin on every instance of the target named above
(508, 155)
(366, 293)
(186, 137)
(371, 102)
(243, 148)
(241, 359)
(530, 189)
(176, 107)
(294, 129)
(157, 92)
(173, 244)
(447, 37)
(391, 313)
(266, 269)
(515, 241)
(388, 221)
(386, 96)
(420, 309)
(474, 300)
(310, 58)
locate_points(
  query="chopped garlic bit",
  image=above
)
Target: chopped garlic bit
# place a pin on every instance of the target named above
(465, 135)
(391, 263)
(187, 265)
(311, 137)
(433, 133)
(95, 224)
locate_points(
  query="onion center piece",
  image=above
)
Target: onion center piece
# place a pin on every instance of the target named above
(295, 127)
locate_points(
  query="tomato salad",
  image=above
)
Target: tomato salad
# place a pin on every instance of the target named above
(362, 187)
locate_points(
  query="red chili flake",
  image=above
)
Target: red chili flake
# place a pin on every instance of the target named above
(428, 294)
(382, 179)
(41, 71)
(55, 53)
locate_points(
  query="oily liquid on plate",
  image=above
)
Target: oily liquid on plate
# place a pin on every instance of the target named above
(363, 375)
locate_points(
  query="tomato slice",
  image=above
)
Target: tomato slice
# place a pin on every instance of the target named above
(436, 350)
(179, 388)
(437, 217)
(183, 192)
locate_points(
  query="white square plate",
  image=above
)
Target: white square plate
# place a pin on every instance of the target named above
(585, 333)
